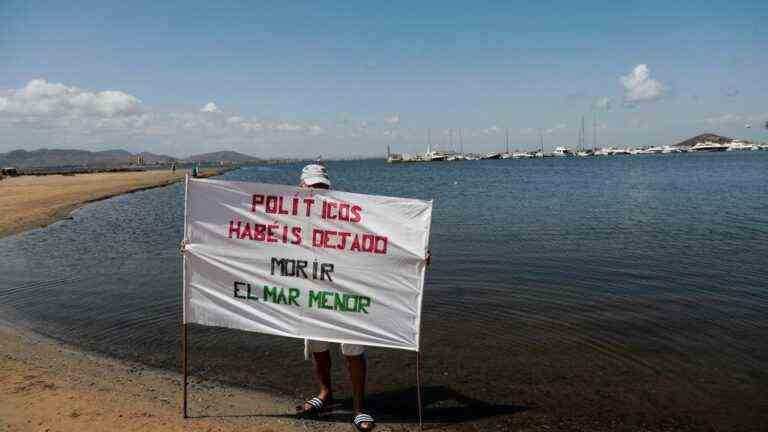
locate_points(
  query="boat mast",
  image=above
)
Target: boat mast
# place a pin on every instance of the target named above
(429, 140)
(594, 131)
(541, 141)
(582, 136)
(450, 138)
(461, 142)
(506, 141)
(578, 144)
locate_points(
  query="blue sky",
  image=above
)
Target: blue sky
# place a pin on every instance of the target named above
(316, 77)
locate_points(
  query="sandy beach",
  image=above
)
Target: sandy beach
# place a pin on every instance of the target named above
(35, 201)
(45, 386)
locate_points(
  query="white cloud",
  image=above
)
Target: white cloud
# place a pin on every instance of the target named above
(252, 126)
(724, 119)
(729, 92)
(555, 128)
(315, 130)
(41, 98)
(638, 123)
(392, 120)
(288, 127)
(210, 107)
(602, 103)
(640, 87)
(43, 114)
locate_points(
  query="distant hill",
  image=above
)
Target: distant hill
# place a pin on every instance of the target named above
(690, 142)
(65, 157)
(115, 153)
(226, 156)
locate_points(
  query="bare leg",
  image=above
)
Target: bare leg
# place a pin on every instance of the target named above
(323, 372)
(357, 370)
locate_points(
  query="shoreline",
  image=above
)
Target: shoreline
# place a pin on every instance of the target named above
(49, 385)
(44, 200)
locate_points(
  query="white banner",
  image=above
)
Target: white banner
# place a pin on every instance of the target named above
(305, 263)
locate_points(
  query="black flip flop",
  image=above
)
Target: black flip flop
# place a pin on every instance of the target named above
(316, 406)
(364, 418)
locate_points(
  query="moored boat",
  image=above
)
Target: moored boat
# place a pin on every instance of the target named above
(708, 146)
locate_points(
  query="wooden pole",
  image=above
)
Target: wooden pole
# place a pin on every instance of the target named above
(418, 390)
(184, 303)
(184, 367)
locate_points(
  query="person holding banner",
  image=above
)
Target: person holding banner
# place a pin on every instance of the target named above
(315, 176)
(375, 301)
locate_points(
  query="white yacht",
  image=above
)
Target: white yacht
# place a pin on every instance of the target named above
(440, 155)
(561, 151)
(669, 149)
(650, 150)
(492, 155)
(521, 155)
(708, 146)
(737, 145)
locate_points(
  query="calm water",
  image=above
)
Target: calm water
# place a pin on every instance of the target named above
(629, 289)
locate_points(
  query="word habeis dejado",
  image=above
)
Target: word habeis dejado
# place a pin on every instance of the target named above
(307, 207)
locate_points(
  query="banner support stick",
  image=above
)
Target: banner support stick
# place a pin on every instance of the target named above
(184, 367)
(418, 390)
(184, 301)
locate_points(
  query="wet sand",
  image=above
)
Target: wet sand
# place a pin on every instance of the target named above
(36, 201)
(46, 386)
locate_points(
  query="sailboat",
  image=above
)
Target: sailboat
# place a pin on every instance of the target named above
(540, 153)
(506, 154)
(584, 152)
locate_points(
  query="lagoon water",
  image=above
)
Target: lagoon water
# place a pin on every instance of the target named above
(599, 291)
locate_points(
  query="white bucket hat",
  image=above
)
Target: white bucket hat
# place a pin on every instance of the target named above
(314, 168)
(314, 174)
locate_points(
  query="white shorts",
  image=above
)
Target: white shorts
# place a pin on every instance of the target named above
(313, 346)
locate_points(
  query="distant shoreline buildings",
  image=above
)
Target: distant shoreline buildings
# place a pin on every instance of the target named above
(700, 143)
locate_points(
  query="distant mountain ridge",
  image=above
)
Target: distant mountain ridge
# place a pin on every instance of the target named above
(62, 157)
(690, 142)
(225, 155)
(44, 157)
